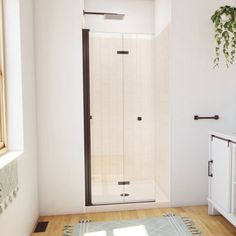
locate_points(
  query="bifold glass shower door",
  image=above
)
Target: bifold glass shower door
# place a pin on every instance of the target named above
(122, 118)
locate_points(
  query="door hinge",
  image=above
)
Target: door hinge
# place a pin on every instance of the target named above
(123, 183)
(123, 52)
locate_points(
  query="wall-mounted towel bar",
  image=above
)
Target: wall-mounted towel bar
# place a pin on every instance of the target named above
(216, 117)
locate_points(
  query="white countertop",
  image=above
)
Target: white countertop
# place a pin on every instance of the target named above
(225, 134)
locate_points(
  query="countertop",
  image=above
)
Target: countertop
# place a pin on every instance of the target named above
(225, 134)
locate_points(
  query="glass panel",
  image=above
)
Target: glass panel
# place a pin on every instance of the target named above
(106, 95)
(139, 117)
(123, 117)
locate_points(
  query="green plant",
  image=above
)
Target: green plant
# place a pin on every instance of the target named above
(224, 20)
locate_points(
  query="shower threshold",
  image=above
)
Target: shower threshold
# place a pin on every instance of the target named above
(127, 206)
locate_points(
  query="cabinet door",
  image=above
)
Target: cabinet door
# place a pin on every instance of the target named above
(220, 182)
(233, 207)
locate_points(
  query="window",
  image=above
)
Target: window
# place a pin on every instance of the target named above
(3, 130)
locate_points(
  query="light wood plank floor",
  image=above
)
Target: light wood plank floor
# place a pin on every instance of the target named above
(209, 225)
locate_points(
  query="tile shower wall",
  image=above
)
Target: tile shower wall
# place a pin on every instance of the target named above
(162, 83)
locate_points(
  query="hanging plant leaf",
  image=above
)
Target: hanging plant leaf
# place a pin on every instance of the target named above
(224, 20)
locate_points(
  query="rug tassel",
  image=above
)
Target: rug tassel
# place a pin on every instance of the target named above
(84, 221)
(68, 230)
(191, 226)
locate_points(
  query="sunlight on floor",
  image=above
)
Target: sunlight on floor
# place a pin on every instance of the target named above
(135, 230)
(99, 233)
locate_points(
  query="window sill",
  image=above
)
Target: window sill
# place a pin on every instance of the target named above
(8, 157)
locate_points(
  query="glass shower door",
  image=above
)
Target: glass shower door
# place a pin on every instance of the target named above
(107, 131)
(139, 118)
(122, 118)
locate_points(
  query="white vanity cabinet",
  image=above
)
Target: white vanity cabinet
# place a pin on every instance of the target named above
(222, 175)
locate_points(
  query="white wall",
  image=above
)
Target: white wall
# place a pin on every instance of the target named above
(196, 88)
(21, 215)
(139, 16)
(58, 30)
(162, 15)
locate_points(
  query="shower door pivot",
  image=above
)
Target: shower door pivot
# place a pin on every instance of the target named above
(122, 118)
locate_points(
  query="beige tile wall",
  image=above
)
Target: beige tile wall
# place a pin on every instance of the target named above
(162, 80)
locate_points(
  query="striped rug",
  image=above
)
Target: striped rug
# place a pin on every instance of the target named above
(168, 225)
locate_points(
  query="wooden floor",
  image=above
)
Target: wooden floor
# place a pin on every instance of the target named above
(209, 225)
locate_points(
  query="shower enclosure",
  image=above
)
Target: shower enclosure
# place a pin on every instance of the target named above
(121, 165)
